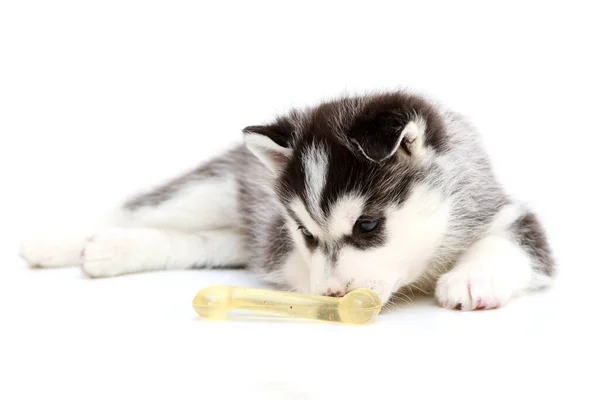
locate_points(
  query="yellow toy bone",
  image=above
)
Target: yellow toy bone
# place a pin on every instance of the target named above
(360, 306)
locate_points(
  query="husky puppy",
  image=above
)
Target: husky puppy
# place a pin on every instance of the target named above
(389, 191)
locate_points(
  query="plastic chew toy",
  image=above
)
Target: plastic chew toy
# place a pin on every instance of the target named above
(360, 306)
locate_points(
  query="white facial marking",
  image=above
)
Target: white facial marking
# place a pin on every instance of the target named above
(322, 275)
(413, 232)
(344, 214)
(315, 164)
(418, 227)
(296, 270)
(302, 214)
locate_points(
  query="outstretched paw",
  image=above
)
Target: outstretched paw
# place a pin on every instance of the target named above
(488, 275)
(110, 253)
(473, 290)
(51, 251)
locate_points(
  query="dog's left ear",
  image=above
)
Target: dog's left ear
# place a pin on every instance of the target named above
(270, 143)
(387, 134)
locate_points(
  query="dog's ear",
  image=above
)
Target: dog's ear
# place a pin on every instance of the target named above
(386, 134)
(270, 143)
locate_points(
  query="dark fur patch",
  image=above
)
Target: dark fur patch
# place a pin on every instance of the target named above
(381, 185)
(375, 123)
(280, 244)
(377, 134)
(373, 119)
(378, 126)
(279, 131)
(368, 240)
(530, 235)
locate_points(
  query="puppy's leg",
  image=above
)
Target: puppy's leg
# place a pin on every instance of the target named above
(120, 251)
(203, 201)
(511, 259)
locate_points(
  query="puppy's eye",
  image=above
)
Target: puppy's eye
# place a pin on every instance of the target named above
(306, 232)
(366, 225)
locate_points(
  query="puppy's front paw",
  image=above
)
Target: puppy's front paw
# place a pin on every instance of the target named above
(52, 250)
(110, 253)
(468, 290)
(488, 275)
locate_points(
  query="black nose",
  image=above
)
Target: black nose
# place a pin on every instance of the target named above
(337, 293)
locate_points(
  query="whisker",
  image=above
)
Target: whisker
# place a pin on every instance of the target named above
(407, 297)
(404, 299)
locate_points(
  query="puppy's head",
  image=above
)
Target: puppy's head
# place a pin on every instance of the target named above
(352, 177)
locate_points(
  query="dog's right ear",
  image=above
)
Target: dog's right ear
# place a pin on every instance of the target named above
(270, 143)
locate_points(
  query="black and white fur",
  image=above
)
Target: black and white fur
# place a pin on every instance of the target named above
(389, 191)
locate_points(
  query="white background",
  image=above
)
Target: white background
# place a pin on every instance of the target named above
(100, 99)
